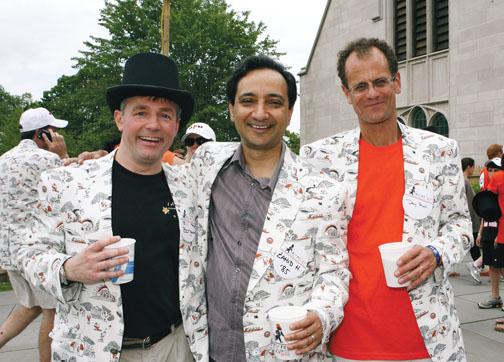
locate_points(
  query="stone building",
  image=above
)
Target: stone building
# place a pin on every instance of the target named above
(451, 60)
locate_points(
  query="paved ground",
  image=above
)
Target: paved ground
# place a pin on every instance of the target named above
(483, 344)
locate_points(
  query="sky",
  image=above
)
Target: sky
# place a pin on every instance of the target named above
(39, 38)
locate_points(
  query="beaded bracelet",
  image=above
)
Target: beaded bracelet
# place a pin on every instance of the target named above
(436, 254)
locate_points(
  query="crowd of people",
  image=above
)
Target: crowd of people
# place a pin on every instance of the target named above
(488, 250)
(230, 230)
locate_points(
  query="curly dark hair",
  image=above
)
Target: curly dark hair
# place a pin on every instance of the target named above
(362, 47)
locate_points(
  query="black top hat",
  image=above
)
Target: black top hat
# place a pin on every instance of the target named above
(486, 205)
(150, 74)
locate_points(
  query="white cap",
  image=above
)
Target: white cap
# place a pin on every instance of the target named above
(496, 161)
(200, 129)
(36, 118)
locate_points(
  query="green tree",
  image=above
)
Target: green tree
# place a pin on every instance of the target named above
(208, 40)
(293, 141)
(11, 108)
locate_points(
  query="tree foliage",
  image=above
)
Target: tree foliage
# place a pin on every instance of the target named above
(207, 41)
(293, 141)
(11, 108)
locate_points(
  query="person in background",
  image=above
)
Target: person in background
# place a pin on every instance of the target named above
(474, 266)
(197, 134)
(41, 148)
(491, 236)
(173, 158)
(493, 151)
(416, 197)
(496, 185)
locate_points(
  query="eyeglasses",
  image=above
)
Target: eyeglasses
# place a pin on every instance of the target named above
(188, 142)
(378, 84)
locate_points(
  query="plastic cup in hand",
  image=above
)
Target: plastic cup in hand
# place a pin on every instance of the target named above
(390, 253)
(128, 267)
(280, 318)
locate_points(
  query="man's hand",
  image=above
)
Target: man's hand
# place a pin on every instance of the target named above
(415, 266)
(57, 145)
(308, 334)
(93, 264)
(86, 155)
(177, 160)
(478, 241)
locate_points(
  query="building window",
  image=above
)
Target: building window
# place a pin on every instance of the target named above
(440, 124)
(420, 27)
(419, 36)
(400, 29)
(418, 118)
(440, 25)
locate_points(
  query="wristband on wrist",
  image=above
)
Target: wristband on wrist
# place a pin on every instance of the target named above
(436, 254)
(63, 280)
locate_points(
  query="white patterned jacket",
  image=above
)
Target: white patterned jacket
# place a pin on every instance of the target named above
(20, 170)
(75, 210)
(432, 162)
(308, 209)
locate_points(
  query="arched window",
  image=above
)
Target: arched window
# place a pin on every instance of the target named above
(418, 118)
(440, 124)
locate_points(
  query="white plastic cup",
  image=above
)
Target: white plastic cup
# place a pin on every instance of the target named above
(280, 318)
(129, 267)
(390, 253)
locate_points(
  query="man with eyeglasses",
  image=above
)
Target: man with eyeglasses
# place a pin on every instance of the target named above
(406, 185)
(197, 134)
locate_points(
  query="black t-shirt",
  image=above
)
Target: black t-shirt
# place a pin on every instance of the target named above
(143, 209)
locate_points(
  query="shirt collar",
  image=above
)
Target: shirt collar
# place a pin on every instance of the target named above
(239, 161)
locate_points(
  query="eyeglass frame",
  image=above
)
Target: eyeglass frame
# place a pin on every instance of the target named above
(189, 142)
(389, 81)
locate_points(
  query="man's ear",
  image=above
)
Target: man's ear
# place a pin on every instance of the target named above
(118, 120)
(231, 112)
(398, 83)
(348, 96)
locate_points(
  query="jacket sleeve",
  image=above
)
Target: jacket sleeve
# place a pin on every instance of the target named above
(454, 238)
(26, 171)
(41, 253)
(330, 289)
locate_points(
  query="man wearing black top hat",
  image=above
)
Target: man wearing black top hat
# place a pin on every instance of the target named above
(128, 194)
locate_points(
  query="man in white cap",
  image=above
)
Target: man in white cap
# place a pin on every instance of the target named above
(197, 134)
(40, 148)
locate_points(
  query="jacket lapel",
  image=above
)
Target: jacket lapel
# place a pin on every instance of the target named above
(282, 211)
(350, 154)
(211, 164)
(416, 172)
(100, 175)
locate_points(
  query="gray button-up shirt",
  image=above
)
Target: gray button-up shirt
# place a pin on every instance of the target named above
(237, 212)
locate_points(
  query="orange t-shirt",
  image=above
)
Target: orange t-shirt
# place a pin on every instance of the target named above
(496, 185)
(379, 323)
(484, 179)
